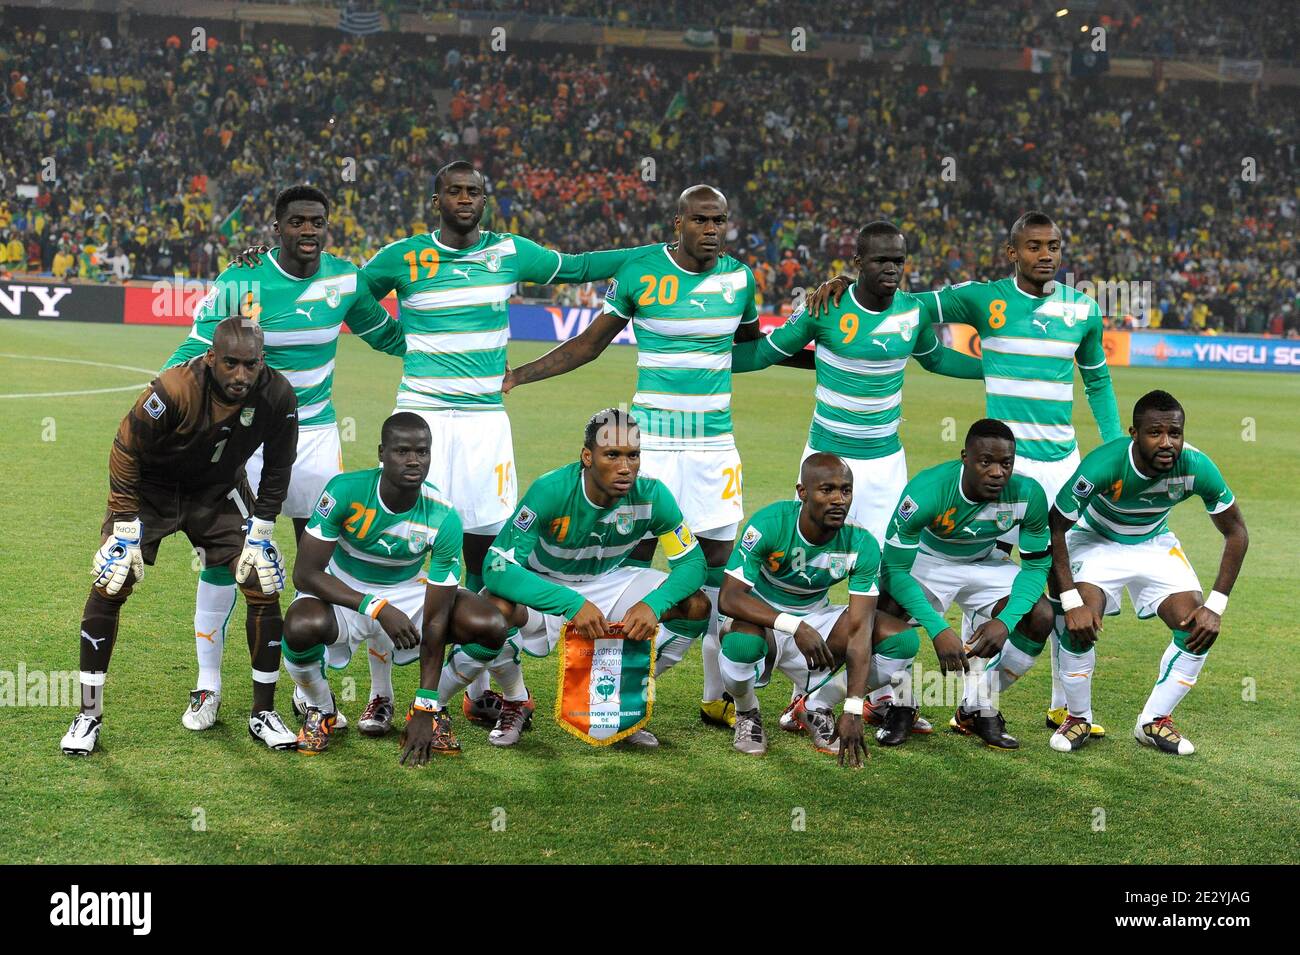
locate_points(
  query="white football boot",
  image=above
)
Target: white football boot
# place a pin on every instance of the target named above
(201, 714)
(270, 729)
(82, 735)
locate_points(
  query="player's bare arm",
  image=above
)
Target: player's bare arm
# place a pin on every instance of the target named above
(416, 741)
(737, 599)
(1084, 620)
(574, 353)
(850, 641)
(309, 577)
(1203, 624)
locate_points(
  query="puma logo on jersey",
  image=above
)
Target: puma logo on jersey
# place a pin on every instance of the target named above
(1042, 325)
(93, 641)
(970, 531)
(882, 344)
(702, 305)
(804, 575)
(304, 311)
(387, 545)
(463, 273)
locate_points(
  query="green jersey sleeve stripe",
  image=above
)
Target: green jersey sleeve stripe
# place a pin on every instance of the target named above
(611, 308)
(320, 534)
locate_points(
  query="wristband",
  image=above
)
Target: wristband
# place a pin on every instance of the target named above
(426, 701)
(786, 623)
(371, 605)
(1216, 602)
(853, 705)
(1070, 599)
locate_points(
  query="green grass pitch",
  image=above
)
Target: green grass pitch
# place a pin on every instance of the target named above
(159, 793)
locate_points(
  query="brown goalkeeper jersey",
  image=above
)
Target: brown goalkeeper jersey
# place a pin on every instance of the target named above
(182, 433)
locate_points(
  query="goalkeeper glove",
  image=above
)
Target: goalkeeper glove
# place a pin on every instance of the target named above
(261, 556)
(119, 557)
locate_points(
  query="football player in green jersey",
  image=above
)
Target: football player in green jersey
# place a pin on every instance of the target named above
(1033, 331)
(942, 549)
(689, 303)
(779, 616)
(563, 558)
(301, 296)
(1110, 532)
(863, 344)
(453, 288)
(360, 573)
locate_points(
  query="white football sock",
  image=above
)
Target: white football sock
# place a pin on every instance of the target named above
(213, 605)
(1054, 644)
(309, 679)
(710, 649)
(509, 676)
(830, 693)
(1178, 672)
(738, 680)
(460, 671)
(379, 652)
(92, 693)
(481, 684)
(1076, 677)
(882, 674)
(669, 650)
(1012, 664)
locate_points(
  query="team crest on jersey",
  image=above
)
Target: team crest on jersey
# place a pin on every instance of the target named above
(246, 416)
(752, 534)
(154, 406)
(1075, 567)
(905, 328)
(728, 291)
(624, 521)
(838, 567)
(492, 260)
(332, 297)
(1004, 519)
(1082, 487)
(325, 504)
(417, 540)
(1176, 488)
(524, 519)
(907, 508)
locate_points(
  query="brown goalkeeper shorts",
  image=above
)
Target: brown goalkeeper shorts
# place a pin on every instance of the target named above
(211, 517)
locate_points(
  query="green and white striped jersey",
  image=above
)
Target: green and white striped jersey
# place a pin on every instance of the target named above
(560, 537)
(301, 320)
(794, 576)
(1112, 497)
(1029, 346)
(381, 546)
(685, 323)
(453, 306)
(936, 518)
(861, 356)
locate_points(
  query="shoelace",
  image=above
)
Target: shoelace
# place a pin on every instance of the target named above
(511, 713)
(1165, 723)
(753, 727)
(373, 707)
(82, 724)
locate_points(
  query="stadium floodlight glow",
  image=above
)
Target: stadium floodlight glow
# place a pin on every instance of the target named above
(1063, 12)
(1084, 28)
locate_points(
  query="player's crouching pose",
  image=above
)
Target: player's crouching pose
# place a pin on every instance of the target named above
(562, 555)
(774, 596)
(1110, 532)
(941, 549)
(358, 575)
(177, 464)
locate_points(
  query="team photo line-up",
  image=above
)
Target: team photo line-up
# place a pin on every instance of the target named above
(431, 557)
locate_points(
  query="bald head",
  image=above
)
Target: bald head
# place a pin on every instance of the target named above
(822, 466)
(231, 332)
(699, 193)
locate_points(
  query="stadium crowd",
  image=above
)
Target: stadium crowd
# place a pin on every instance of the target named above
(141, 154)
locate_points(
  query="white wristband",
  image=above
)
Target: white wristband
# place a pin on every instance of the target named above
(1217, 602)
(853, 705)
(1070, 599)
(786, 623)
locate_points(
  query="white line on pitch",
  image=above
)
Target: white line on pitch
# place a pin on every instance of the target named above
(76, 361)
